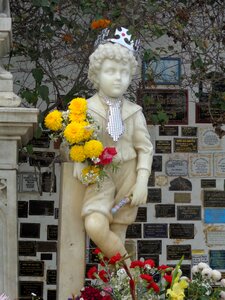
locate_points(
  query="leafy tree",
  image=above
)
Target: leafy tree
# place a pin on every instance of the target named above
(52, 40)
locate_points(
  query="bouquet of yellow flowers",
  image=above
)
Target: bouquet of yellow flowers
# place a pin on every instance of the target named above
(79, 131)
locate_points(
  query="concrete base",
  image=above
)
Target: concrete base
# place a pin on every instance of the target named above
(71, 241)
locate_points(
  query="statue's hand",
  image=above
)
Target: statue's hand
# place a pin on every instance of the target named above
(140, 189)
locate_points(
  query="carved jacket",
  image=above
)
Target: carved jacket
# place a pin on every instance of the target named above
(135, 141)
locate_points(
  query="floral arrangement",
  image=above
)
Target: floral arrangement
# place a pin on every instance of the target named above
(100, 24)
(144, 281)
(79, 132)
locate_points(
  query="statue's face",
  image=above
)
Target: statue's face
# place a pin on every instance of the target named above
(113, 78)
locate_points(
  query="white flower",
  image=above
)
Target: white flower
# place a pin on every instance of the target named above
(185, 278)
(121, 273)
(222, 295)
(207, 272)
(222, 282)
(194, 269)
(216, 275)
(202, 266)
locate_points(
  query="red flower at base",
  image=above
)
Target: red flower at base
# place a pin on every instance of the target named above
(91, 293)
(149, 262)
(91, 273)
(114, 259)
(103, 275)
(107, 155)
(147, 277)
(136, 263)
(154, 286)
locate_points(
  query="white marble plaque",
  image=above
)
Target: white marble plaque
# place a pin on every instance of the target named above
(200, 165)
(28, 182)
(219, 164)
(176, 167)
(216, 237)
(208, 139)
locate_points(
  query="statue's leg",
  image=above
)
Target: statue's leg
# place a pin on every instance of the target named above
(97, 228)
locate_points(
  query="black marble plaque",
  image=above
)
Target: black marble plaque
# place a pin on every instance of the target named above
(181, 231)
(151, 180)
(162, 146)
(141, 214)
(46, 256)
(189, 131)
(165, 210)
(154, 196)
(42, 142)
(27, 248)
(168, 130)
(30, 230)
(51, 294)
(56, 214)
(22, 209)
(157, 163)
(41, 208)
(186, 145)
(52, 232)
(214, 198)
(31, 268)
(149, 247)
(217, 259)
(208, 183)
(152, 230)
(41, 159)
(174, 102)
(189, 213)
(180, 184)
(51, 276)
(48, 182)
(92, 257)
(134, 231)
(150, 256)
(28, 287)
(46, 246)
(175, 252)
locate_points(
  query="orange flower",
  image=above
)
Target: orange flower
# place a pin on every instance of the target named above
(101, 23)
(68, 38)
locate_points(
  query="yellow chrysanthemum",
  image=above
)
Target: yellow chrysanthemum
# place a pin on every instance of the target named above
(90, 174)
(77, 153)
(53, 120)
(78, 106)
(76, 117)
(74, 132)
(93, 148)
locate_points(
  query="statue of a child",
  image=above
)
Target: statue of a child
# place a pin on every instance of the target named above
(123, 126)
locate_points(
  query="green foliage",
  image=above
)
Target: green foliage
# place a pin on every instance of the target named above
(53, 39)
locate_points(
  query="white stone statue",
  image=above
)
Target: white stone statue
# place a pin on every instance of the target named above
(111, 68)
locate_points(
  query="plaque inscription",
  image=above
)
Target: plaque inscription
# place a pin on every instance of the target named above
(181, 231)
(214, 198)
(149, 247)
(185, 145)
(134, 231)
(189, 131)
(162, 146)
(28, 287)
(154, 195)
(164, 210)
(168, 130)
(155, 230)
(208, 183)
(31, 268)
(189, 213)
(175, 252)
(176, 167)
(27, 248)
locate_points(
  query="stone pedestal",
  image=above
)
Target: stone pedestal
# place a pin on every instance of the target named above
(71, 240)
(16, 129)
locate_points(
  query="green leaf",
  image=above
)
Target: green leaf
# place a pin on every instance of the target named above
(38, 74)
(38, 132)
(43, 91)
(30, 96)
(29, 149)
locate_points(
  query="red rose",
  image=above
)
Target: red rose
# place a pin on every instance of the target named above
(136, 263)
(97, 251)
(91, 272)
(114, 259)
(103, 275)
(154, 286)
(107, 155)
(147, 277)
(164, 267)
(149, 262)
(168, 278)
